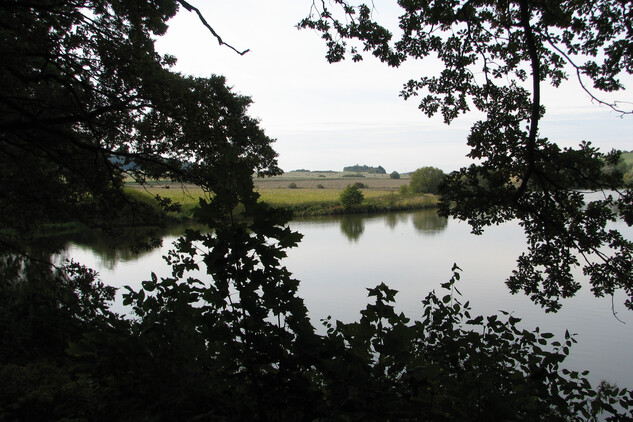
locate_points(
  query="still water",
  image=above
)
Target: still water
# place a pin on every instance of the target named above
(340, 257)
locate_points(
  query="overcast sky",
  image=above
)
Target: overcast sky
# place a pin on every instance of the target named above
(327, 116)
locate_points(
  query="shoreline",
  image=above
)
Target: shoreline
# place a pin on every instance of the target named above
(383, 204)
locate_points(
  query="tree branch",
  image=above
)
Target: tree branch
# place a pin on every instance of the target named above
(613, 106)
(191, 8)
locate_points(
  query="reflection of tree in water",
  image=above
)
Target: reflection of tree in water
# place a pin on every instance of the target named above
(393, 219)
(352, 226)
(115, 246)
(428, 222)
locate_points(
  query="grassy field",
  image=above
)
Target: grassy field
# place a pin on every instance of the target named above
(294, 197)
(331, 180)
(316, 193)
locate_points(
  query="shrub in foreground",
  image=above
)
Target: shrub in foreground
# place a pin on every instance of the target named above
(190, 353)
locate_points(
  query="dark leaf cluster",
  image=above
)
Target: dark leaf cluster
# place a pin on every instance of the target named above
(86, 102)
(236, 343)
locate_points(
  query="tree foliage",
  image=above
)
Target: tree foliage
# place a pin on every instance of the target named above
(495, 58)
(426, 180)
(86, 100)
(367, 169)
(351, 196)
(191, 353)
(627, 179)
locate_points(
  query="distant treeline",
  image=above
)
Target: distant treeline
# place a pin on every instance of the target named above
(365, 169)
(313, 171)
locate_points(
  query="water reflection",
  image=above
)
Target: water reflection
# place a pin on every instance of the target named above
(123, 245)
(132, 244)
(428, 222)
(393, 219)
(352, 226)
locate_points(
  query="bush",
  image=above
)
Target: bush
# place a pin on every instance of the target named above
(293, 185)
(394, 175)
(403, 190)
(320, 186)
(360, 185)
(628, 179)
(351, 196)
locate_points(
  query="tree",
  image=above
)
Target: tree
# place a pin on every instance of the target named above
(365, 168)
(496, 56)
(351, 196)
(426, 180)
(627, 179)
(394, 175)
(224, 336)
(85, 101)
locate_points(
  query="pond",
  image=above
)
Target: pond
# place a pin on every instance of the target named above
(340, 257)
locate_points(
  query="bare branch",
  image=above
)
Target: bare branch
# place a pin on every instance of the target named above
(191, 8)
(613, 106)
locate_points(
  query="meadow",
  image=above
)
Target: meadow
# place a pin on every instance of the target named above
(306, 193)
(331, 180)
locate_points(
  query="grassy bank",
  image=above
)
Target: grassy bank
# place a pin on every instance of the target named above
(306, 193)
(303, 202)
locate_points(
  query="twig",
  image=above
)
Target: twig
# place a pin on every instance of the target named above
(613, 105)
(191, 8)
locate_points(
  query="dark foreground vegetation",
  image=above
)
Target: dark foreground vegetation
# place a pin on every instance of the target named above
(86, 102)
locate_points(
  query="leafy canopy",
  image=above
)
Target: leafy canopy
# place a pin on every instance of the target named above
(86, 101)
(495, 57)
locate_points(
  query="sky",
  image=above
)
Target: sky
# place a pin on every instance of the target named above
(327, 116)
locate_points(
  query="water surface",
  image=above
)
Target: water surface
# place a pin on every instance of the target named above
(340, 257)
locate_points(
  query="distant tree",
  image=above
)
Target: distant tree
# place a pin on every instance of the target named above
(365, 169)
(351, 196)
(360, 185)
(292, 185)
(426, 180)
(627, 179)
(394, 175)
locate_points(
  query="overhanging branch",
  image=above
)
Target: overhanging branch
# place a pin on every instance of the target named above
(191, 8)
